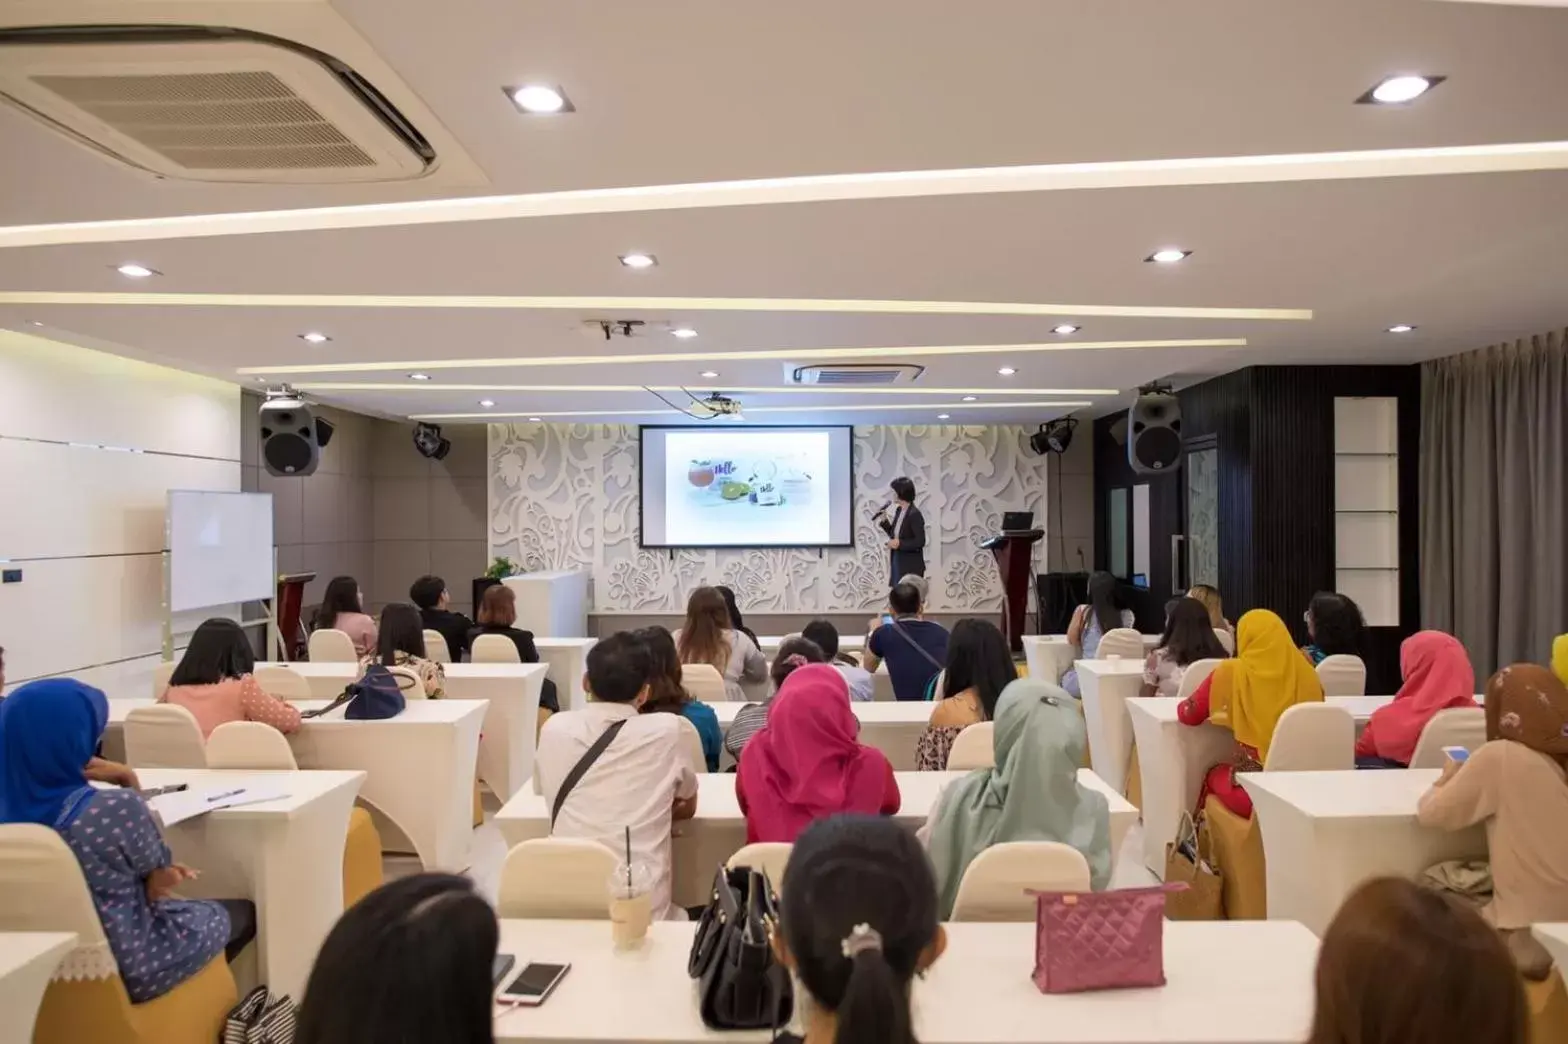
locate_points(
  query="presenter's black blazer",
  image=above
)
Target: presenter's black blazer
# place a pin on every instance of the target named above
(910, 556)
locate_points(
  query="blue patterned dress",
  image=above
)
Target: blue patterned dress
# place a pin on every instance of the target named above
(157, 945)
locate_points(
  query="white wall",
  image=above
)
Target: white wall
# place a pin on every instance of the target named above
(90, 444)
(566, 497)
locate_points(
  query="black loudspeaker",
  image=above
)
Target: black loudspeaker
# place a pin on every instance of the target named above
(1154, 433)
(1054, 437)
(291, 437)
(429, 443)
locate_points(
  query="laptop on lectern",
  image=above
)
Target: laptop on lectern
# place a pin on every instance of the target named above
(1017, 521)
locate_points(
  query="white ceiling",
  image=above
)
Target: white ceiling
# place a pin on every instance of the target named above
(708, 90)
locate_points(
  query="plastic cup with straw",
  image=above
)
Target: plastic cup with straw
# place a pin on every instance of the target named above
(631, 900)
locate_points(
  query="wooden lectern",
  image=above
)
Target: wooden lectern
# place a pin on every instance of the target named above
(291, 602)
(1015, 562)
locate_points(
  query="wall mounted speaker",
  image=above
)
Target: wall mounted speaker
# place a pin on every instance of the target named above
(290, 444)
(1154, 433)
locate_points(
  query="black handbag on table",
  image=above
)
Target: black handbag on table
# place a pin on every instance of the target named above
(740, 982)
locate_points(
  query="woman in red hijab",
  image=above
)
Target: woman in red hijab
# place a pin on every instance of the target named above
(1438, 676)
(807, 762)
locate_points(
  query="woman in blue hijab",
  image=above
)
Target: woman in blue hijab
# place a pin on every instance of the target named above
(48, 732)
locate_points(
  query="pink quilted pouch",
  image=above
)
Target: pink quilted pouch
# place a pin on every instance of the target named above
(1100, 940)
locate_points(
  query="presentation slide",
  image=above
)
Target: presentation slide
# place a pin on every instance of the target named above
(747, 487)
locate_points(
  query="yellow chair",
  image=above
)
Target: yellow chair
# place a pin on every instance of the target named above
(1134, 779)
(1548, 1003)
(1238, 849)
(42, 889)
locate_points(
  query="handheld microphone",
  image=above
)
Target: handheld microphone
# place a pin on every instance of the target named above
(882, 510)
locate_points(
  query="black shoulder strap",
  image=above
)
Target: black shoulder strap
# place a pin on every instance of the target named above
(932, 660)
(584, 763)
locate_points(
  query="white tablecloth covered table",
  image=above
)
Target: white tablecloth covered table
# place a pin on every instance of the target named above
(27, 962)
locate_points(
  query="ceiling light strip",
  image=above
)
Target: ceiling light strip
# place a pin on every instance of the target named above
(1211, 170)
(337, 386)
(909, 351)
(641, 304)
(748, 410)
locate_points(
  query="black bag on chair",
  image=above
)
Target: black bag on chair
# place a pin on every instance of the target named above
(741, 983)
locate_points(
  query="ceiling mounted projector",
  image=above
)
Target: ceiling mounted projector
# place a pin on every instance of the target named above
(720, 406)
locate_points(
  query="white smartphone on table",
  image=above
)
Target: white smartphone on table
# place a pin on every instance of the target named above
(530, 987)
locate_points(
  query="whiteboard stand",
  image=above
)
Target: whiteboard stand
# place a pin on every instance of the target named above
(272, 650)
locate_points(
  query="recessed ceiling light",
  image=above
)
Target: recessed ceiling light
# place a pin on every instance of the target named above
(943, 416)
(133, 270)
(419, 376)
(685, 333)
(1401, 328)
(538, 99)
(487, 403)
(1396, 90)
(639, 260)
(37, 323)
(534, 419)
(261, 380)
(1169, 255)
(1065, 329)
(1007, 371)
(314, 337)
(969, 398)
(710, 374)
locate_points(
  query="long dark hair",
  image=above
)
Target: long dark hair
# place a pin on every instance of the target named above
(342, 596)
(1337, 624)
(978, 658)
(1401, 963)
(410, 961)
(1189, 634)
(402, 631)
(218, 651)
(794, 653)
(702, 635)
(736, 622)
(665, 692)
(1104, 601)
(848, 875)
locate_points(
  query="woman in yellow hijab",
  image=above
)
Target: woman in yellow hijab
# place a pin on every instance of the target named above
(1248, 695)
(1560, 658)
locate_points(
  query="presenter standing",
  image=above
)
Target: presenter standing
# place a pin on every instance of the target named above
(906, 531)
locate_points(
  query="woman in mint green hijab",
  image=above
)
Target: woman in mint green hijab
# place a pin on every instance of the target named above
(1032, 794)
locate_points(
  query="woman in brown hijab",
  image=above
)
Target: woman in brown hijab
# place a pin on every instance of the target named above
(1517, 784)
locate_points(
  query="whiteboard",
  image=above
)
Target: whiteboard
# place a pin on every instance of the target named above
(220, 548)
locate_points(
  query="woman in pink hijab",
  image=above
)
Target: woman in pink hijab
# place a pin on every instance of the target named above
(807, 762)
(1438, 676)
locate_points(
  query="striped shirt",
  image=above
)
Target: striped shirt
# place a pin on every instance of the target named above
(749, 721)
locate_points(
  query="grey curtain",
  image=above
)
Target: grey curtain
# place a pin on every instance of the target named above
(1494, 499)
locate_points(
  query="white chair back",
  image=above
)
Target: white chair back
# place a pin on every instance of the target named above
(768, 856)
(996, 885)
(494, 648)
(160, 677)
(1193, 677)
(1343, 675)
(702, 681)
(556, 878)
(164, 736)
(330, 645)
(1455, 727)
(1122, 642)
(248, 745)
(973, 748)
(42, 889)
(691, 741)
(408, 681)
(283, 682)
(435, 647)
(1227, 640)
(1313, 737)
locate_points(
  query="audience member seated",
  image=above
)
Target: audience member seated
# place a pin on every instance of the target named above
(808, 763)
(920, 584)
(214, 681)
(411, 961)
(665, 693)
(1437, 675)
(343, 609)
(1401, 964)
(707, 637)
(1247, 695)
(1334, 627)
(1516, 784)
(825, 636)
(48, 731)
(497, 614)
(914, 648)
(402, 644)
(1189, 637)
(1210, 597)
(749, 720)
(857, 923)
(1559, 658)
(1032, 793)
(642, 780)
(737, 623)
(429, 593)
(979, 667)
(1103, 612)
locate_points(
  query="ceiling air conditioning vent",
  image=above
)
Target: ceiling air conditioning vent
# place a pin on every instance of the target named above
(210, 104)
(852, 375)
